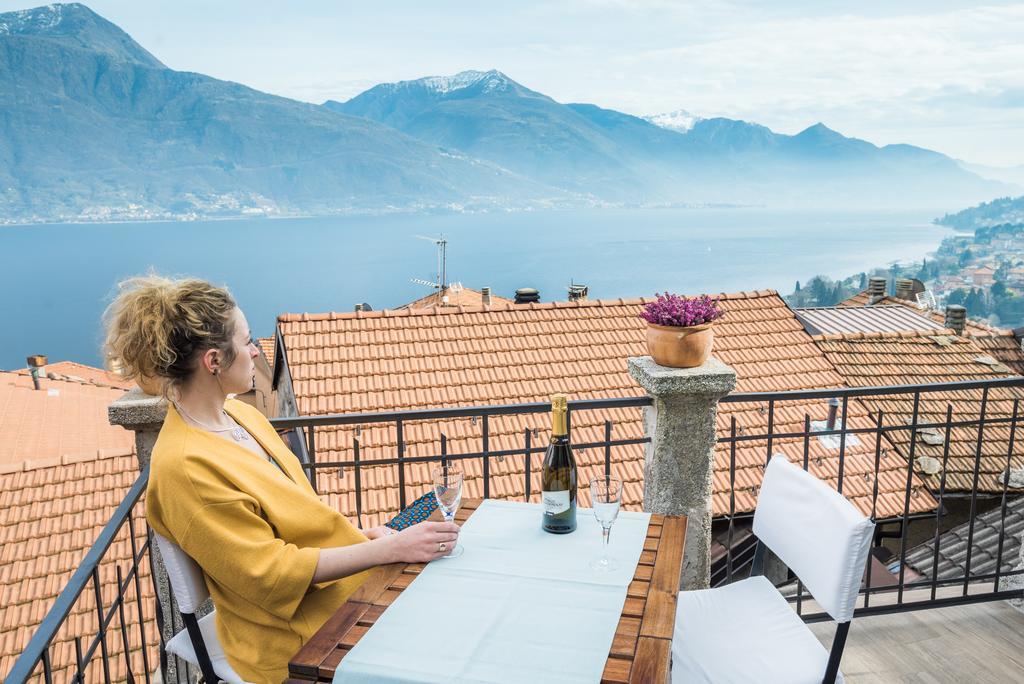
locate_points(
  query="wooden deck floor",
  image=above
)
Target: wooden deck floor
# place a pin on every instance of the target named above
(983, 642)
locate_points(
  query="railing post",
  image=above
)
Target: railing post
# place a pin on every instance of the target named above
(144, 415)
(680, 456)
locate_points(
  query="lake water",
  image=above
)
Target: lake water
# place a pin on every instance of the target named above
(57, 279)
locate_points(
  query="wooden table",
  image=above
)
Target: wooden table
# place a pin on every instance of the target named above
(641, 649)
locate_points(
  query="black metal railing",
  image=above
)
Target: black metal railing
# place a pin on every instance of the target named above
(971, 425)
(119, 643)
(861, 435)
(476, 425)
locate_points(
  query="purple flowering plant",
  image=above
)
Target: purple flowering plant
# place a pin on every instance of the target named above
(682, 312)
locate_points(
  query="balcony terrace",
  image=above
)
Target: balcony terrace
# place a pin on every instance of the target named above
(912, 623)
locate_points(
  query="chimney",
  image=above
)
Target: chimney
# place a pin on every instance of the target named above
(485, 296)
(37, 368)
(359, 307)
(833, 409)
(527, 295)
(577, 292)
(876, 290)
(956, 318)
(904, 288)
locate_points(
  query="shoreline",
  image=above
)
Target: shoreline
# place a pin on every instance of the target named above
(713, 206)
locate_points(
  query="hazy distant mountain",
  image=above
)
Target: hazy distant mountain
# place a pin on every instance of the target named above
(94, 126)
(675, 157)
(488, 115)
(1005, 174)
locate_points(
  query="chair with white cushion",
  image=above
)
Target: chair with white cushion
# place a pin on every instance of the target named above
(746, 631)
(198, 642)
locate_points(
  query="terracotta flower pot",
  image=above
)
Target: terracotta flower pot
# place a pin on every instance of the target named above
(679, 347)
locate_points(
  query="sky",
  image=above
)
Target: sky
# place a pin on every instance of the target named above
(943, 74)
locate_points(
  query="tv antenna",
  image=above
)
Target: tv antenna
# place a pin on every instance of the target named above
(441, 283)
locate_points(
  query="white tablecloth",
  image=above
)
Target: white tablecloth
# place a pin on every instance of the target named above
(520, 605)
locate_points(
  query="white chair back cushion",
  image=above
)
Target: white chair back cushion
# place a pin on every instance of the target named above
(184, 574)
(814, 530)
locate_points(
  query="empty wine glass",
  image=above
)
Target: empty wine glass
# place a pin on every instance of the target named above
(448, 492)
(605, 497)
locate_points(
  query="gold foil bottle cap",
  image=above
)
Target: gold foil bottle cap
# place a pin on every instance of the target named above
(559, 402)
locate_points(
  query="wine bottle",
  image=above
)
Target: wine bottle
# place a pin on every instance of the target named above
(558, 474)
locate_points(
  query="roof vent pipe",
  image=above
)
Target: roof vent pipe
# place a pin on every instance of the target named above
(485, 296)
(956, 318)
(904, 288)
(37, 368)
(527, 295)
(876, 290)
(833, 409)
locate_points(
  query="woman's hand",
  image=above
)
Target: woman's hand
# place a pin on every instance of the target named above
(424, 542)
(378, 532)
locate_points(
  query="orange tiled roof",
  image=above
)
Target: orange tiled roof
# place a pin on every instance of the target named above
(63, 418)
(1004, 347)
(506, 353)
(266, 345)
(461, 296)
(50, 515)
(870, 359)
(77, 372)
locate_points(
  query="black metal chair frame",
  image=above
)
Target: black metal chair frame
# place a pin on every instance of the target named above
(842, 628)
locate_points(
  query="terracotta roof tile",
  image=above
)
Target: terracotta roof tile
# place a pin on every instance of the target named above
(266, 345)
(70, 371)
(871, 359)
(1004, 347)
(457, 296)
(50, 515)
(521, 353)
(63, 419)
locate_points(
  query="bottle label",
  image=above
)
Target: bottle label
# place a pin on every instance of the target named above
(555, 502)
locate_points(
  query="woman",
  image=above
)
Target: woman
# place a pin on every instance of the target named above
(225, 488)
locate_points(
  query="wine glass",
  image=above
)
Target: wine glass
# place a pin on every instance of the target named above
(605, 497)
(448, 492)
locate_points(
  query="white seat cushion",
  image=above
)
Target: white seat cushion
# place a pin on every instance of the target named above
(743, 632)
(181, 646)
(815, 531)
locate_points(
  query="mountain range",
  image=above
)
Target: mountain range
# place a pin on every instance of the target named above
(94, 127)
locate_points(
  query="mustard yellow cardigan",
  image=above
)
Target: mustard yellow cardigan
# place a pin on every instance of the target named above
(255, 531)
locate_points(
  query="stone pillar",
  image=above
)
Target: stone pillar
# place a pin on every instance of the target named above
(680, 456)
(144, 414)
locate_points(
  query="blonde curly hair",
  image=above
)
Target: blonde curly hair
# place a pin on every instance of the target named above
(157, 327)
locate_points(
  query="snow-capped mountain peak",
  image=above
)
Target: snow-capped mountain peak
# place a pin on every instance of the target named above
(489, 81)
(35, 20)
(680, 120)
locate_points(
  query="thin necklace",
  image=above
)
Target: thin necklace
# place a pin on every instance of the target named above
(238, 433)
